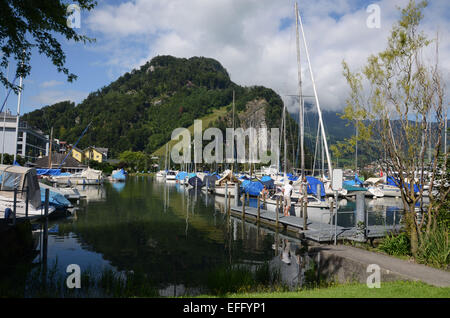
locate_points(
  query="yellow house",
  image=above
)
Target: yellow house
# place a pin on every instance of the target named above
(77, 154)
(97, 154)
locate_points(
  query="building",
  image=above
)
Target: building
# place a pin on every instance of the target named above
(70, 164)
(90, 153)
(31, 142)
(95, 153)
(77, 154)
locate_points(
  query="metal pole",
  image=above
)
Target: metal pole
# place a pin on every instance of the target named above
(336, 218)
(276, 212)
(15, 206)
(26, 201)
(305, 215)
(243, 206)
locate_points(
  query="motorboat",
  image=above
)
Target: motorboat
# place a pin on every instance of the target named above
(21, 178)
(86, 177)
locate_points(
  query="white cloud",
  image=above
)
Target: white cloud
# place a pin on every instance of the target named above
(245, 37)
(51, 83)
(50, 97)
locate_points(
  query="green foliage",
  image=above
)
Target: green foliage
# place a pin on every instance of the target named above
(241, 278)
(103, 166)
(396, 245)
(26, 24)
(434, 248)
(135, 161)
(9, 159)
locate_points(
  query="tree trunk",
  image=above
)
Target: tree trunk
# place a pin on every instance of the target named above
(412, 229)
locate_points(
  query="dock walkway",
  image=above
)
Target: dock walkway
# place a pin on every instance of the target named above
(316, 231)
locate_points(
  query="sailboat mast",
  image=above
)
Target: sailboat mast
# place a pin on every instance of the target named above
(232, 142)
(284, 133)
(301, 111)
(356, 148)
(17, 119)
(330, 168)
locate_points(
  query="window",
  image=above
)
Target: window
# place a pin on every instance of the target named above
(10, 180)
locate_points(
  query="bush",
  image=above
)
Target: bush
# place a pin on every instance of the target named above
(396, 245)
(434, 248)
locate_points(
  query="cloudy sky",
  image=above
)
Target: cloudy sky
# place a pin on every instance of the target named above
(253, 39)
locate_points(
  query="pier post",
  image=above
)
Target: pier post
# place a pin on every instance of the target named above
(278, 204)
(276, 212)
(305, 214)
(15, 206)
(47, 195)
(243, 206)
(265, 205)
(248, 198)
(236, 194)
(319, 192)
(259, 208)
(26, 201)
(229, 204)
(361, 222)
(226, 195)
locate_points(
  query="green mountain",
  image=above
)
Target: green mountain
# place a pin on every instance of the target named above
(139, 110)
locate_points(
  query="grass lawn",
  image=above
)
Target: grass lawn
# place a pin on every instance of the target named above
(399, 289)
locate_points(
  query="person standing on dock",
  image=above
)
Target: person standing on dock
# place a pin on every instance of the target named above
(287, 192)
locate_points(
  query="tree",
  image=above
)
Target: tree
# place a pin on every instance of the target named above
(33, 23)
(394, 98)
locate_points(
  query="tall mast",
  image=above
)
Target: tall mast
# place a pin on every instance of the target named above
(17, 119)
(356, 148)
(232, 142)
(301, 112)
(50, 149)
(330, 168)
(4, 118)
(285, 148)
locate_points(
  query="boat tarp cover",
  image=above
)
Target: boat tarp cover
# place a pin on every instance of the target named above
(268, 182)
(192, 174)
(181, 175)
(195, 182)
(312, 186)
(55, 199)
(20, 177)
(350, 186)
(253, 188)
(120, 175)
(48, 172)
(391, 181)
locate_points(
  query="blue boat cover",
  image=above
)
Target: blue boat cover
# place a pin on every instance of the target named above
(48, 172)
(253, 188)
(191, 175)
(266, 178)
(120, 175)
(55, 199)
(391, 181)
(181, 175)
(195, 182)
(312, 186)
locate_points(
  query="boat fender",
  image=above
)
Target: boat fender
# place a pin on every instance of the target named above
(8, 213)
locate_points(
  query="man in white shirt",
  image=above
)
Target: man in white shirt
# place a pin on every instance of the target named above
(287, 192)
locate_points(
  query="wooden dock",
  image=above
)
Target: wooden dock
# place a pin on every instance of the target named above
(316, 231)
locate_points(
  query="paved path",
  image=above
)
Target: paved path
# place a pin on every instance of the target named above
(403, 268)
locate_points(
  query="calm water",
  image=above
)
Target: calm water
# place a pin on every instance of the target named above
(175, 236)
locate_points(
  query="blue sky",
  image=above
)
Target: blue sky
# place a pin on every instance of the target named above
(253, 39)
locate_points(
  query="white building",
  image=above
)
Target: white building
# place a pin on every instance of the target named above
(31, 142)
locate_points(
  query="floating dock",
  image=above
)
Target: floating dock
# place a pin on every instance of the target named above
(316, 231)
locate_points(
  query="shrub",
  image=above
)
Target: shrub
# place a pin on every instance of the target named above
(434, 248)
(396, 245)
